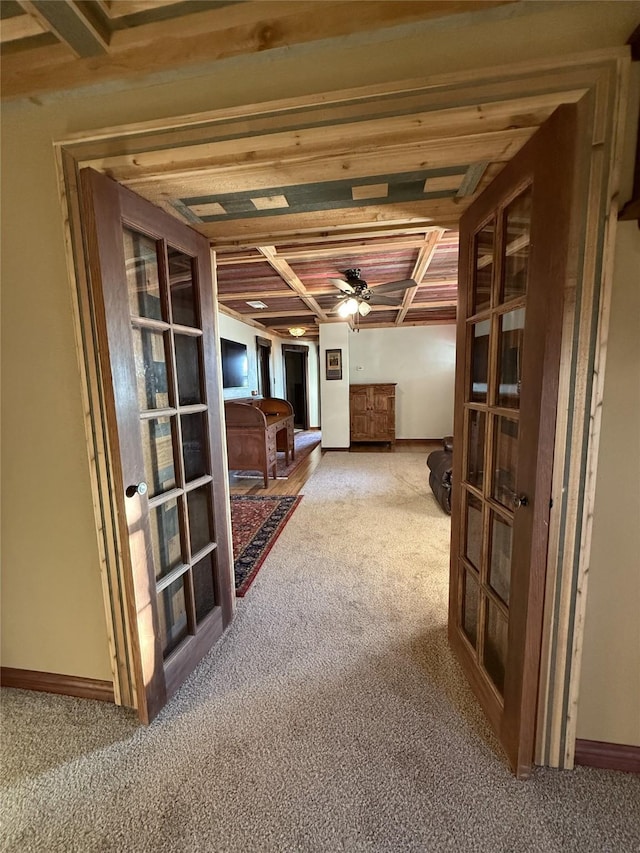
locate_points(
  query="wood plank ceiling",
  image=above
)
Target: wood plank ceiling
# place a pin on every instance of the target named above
(292, 197)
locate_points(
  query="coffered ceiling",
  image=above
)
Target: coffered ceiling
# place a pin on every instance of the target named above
(292, 193)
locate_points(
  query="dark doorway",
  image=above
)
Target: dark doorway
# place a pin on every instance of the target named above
(263, 348)
(295, 382)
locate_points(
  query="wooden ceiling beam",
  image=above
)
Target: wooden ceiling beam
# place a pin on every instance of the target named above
(349, 160)
(269, 315)
(245, 295)
(443, 213)
(418, 128)
(425, 256)
(283, 269)
(121, 8)
(389, 244)
(69, 23)
(361, 231)
(427, 306)
(233, 30)
(20, 27)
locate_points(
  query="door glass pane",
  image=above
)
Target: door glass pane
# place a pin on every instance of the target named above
(143, 283)
(470, 608)
(172, 616)
(506, 461)
(510, 358)
(475, 448)
(483, 257)
(203, 585)
(151, 369)
(517, 242)
(188, 366)
(480, 361)
(473, 537)
(200, 518)
(183, 303)
(157, 450)
(495, 645)
(500, 557)
(165, 537)
(194, 443)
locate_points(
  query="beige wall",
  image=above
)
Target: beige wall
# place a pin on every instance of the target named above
(609, 708)
(52, 611)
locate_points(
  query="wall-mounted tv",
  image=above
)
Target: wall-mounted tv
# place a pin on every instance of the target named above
(235, 364)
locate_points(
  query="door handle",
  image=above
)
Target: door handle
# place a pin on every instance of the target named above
(520, 500)
(139, 489)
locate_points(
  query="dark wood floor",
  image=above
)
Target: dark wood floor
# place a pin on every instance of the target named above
(294, 483)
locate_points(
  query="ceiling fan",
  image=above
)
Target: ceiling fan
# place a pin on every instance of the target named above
(357, 297)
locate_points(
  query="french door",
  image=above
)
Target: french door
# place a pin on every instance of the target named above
(517, 256)
(152, 289)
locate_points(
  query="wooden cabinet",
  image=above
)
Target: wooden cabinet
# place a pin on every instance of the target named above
(372, 410)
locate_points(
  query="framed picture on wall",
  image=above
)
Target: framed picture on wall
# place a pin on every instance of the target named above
(334, 363)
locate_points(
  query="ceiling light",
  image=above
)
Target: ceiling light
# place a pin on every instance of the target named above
(297, 331)
(257, 304)
(364, 308)
(343, 310)
(348, 307)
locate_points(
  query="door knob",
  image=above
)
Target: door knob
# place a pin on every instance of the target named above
(139, 489)
(520, 500)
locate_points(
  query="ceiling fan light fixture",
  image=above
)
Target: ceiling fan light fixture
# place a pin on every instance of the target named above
(297, 331)
(364, 308)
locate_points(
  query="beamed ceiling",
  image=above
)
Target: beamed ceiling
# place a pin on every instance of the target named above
(292, 194)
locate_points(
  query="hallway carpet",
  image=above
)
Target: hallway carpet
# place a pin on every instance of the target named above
(331, 717)
(256, 523)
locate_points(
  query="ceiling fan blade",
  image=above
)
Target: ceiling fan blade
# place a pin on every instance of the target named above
(336, 307)
(344, 286)
(384, 300)
(393, 286)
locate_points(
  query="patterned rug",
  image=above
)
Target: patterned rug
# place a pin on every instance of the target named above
(256, 522)
(304, 441)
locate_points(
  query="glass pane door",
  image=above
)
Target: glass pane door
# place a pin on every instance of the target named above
(166, 328)
(517, 261)
(495, 328)
(156, 326)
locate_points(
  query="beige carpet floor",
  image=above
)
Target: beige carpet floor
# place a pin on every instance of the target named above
(331, 717)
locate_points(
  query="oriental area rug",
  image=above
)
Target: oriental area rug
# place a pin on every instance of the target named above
(256, 523)
(304, 442)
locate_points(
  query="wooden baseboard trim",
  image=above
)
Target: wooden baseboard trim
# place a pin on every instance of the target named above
(336, 449)
(52, 682)
(420, 442)
(608, 756)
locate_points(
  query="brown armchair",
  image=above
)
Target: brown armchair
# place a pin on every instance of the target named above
(440, 464)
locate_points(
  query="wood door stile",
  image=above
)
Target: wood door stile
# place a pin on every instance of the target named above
(107, 207)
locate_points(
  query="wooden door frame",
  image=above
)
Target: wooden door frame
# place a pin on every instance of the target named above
(263, 344)
(604, 74)
(302, 350)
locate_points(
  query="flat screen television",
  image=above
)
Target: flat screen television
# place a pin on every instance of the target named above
(235, 364)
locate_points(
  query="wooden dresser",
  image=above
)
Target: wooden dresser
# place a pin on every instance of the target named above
(256, 430)
(372, 412)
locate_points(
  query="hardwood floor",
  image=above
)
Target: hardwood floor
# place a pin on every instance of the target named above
(293, 485)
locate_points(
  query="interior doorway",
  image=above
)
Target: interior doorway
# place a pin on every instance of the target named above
(296, 386)
(599, 79)
(263, 353)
